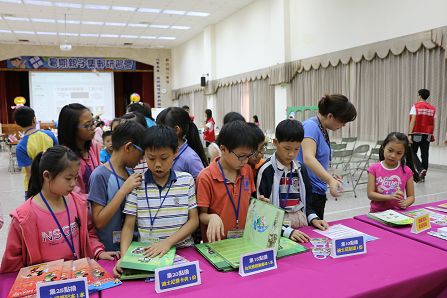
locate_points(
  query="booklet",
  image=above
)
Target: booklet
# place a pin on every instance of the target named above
(262, 231)
(101, 278)
(28, 277)
(342, 231)
(289, 247)
(435, 218)
(134, 258)
(129, 274)
(391, 218)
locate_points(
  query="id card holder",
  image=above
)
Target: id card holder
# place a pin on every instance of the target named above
(236, 233)
(116, 236)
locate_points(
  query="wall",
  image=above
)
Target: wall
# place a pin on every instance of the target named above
(147, 56)
(324, 26)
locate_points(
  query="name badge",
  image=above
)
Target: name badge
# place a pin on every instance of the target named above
(116, 236)
(76, 287)
(421, 223)
(257, 262)
(348, 246)
(236, 233)
(177, 277)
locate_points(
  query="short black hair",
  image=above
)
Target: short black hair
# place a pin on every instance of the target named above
(106, 134)
(24, 116)
(134, 116)
(185, 107)
(257, 133)
(339, 106)
(237, 134)
(128, 131)
(142, 108)
(233, 116)
(424, 93)
(289, 131)
(160, 136)
(99, 123)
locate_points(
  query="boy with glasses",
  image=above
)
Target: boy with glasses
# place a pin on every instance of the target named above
(224, 188)
(111, 182)
(284, 182)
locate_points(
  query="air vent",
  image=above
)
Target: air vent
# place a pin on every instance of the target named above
(24, 40)
(128, 43)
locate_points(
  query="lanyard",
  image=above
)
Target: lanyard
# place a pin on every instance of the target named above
(236, 210)
(29, 129)
(325, 134)
(70, 244)
(152, 219)
(115, 174)
(179, 154)
(88, 171)
(283, 206)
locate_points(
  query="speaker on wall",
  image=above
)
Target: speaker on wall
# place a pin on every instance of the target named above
(203, 81)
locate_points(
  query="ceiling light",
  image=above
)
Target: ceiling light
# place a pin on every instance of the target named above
(128, 36)
(159, 26)
(109, 35)
(16, 19)
(97, 7)
(68, 34)
(138, 25)
(23, 32)
(46, 33)
(68, 22)
(92, 23)
(88, 35)
(124, 8)
(180, 27)
(5, 31)
(167, 37)
(151, 10)
(12, 1)
(197, 14)
(69, 5)
(176, 12)
(148, 37)
(43, 20)
(37, 2)
(115, 24)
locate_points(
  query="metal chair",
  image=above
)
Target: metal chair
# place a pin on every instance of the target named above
(13, 166)
(372, 157)
(349, 141)
(345, 171)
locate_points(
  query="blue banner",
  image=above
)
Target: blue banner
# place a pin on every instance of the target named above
(70, 63)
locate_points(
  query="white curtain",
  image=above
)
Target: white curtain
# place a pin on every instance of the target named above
(262, 103)
(229, 99)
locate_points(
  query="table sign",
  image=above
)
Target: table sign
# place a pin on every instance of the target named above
(177, 277)
(257, 262)
(63, 288)
(348, 246)
(421, 223)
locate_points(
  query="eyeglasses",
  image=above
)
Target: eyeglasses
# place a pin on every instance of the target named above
(242, 157)
(88, 125)
(139, 149)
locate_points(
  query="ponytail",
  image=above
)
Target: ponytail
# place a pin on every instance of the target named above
(192, 135)
(55, 160)
(35, 180)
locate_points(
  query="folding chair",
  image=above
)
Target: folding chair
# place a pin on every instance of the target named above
(359, 156)
(336, 161)
(345, 171)
(13, 166)
(372, 157)
(349, 141)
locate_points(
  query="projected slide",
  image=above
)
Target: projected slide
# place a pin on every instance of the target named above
(51, 91)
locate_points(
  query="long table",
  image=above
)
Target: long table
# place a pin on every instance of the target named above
(406, 230)
(394, 266)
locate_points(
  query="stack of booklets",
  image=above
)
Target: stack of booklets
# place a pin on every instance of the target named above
(135, 265)
(286, 247)
(262, 231)
(97, 277)
(391, 218)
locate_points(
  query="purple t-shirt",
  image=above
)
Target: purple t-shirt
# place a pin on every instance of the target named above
(187, 160)
(388, 181)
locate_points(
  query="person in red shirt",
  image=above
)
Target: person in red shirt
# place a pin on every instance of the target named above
(422, 125)
(208, 133)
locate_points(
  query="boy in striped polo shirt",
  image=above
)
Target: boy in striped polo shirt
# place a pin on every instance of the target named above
(164, 206)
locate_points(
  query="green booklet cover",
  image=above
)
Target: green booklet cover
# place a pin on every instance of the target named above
(262, 231)
(129, 274)
(391, 218)
(134, 258)
(289, 247)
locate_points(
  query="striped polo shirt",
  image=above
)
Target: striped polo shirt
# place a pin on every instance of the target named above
(169, 205)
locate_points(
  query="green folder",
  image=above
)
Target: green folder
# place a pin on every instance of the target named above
(391, 218)
(129, 274)
(262, 231)
(289, 247)
(134, 259)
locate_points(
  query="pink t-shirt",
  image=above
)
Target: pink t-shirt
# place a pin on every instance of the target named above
(86, 168)
(51, 241)
(388, 181)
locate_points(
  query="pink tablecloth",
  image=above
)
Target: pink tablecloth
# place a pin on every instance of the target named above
(7, 280)
(406, 231)
(393, 267)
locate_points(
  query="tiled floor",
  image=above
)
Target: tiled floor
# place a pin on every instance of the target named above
(435, 188)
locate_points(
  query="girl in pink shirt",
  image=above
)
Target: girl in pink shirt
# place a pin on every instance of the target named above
(76, 130)
(53, 223)
(391, 181)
